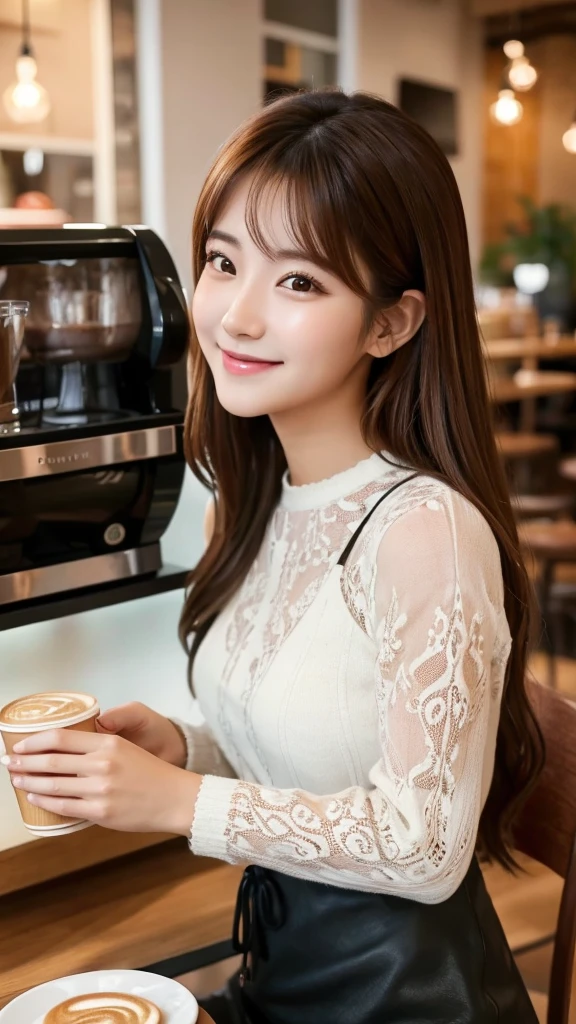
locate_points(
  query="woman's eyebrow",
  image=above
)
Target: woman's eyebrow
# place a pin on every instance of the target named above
(223, 236)
(276, 254)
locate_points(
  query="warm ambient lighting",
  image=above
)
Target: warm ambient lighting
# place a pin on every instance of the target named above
(521, 74)
(513, 49)
(507, 109)
(569, 138)
(26, 101)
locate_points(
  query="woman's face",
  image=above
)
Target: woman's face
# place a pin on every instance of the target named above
(299, 320)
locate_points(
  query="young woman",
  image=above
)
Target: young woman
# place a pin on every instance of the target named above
(360, 618)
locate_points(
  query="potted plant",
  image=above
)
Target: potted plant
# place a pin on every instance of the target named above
(548, 236)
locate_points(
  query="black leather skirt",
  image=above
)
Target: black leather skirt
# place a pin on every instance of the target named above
(318, 954)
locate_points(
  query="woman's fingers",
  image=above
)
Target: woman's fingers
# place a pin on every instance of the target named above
(53, 764)
(131, 717)
(69, 807)
(70, 741)
(61, 786)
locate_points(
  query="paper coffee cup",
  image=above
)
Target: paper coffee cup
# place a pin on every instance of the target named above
(56, 709)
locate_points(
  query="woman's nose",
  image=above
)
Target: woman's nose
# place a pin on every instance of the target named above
(242, 318)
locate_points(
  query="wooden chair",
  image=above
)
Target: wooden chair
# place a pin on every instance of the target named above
(549, 544)
(530, 460)
(546, 831)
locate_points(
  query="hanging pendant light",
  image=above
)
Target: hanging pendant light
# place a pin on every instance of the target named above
(507, 109)
(514, 49)
(569, 137)
(520, 73)
(25, 100)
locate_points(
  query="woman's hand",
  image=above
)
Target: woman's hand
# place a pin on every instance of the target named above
(106, 779)
(147, 729)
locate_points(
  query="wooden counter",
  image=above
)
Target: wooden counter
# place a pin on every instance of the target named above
(132, 912)
(38, 860)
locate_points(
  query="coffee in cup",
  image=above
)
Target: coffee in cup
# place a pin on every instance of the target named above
(58, 709)
(104, 1007)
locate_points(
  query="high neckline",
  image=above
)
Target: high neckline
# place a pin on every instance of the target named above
(303, 497)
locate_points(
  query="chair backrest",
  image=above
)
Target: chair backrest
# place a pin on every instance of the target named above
(546, 831)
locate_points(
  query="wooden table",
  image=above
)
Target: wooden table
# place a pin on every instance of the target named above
(531, 384)
(529, 349)
(160, 909)
(528, 352)
(527, 385)
(514, 445)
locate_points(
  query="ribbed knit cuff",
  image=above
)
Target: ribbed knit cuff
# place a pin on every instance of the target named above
(211, 815)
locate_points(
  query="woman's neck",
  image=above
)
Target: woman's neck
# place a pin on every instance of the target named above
(317, 448)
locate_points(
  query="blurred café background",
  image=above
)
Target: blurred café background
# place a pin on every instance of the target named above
(110, 113)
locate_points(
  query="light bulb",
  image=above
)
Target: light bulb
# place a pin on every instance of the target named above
(569, 138)
(531, 278)
(513, 49)
(33, 161)
(507, 109)
(522, 74)
(26, 101)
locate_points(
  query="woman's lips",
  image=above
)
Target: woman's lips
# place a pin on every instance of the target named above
(242, 366)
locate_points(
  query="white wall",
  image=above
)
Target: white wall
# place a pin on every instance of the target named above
(434, 41)
(210, 81)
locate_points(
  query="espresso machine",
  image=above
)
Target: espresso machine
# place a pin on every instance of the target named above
(92, 320)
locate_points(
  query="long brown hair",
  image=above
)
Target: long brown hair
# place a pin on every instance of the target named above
(362, 182)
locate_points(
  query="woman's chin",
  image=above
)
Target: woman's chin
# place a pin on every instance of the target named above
(244, 406)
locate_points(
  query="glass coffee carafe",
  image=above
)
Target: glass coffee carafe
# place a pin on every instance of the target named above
(13, 315)
(85, 315)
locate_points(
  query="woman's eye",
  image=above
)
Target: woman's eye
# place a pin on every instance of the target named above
(301, 283)
(221, 263)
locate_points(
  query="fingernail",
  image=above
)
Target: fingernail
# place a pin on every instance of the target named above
(16, 779)
(31, 797)
(5, 759)
(19, 747)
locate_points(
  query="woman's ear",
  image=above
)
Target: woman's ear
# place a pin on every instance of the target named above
(393, 327)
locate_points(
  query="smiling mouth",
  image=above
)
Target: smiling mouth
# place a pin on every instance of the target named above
(240, 358)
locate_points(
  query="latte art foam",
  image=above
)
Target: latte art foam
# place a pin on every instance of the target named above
(105, 1008)
(49, 708)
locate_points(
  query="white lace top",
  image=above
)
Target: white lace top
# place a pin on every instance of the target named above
(351, 713)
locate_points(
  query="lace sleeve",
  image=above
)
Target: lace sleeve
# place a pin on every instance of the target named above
(203, 753)
(434, 611)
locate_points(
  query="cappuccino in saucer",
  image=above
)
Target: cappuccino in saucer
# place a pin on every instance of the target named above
(105, 1008)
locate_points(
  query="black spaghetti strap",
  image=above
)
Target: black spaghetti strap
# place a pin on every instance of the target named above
(360, 527)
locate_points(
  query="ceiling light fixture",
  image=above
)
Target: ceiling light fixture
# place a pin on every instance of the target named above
(25, 100)
(520, 73)
(507, 109)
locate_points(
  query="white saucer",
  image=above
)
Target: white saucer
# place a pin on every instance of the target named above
(177, 1004)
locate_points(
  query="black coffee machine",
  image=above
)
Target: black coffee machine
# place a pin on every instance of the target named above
(91, 463)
